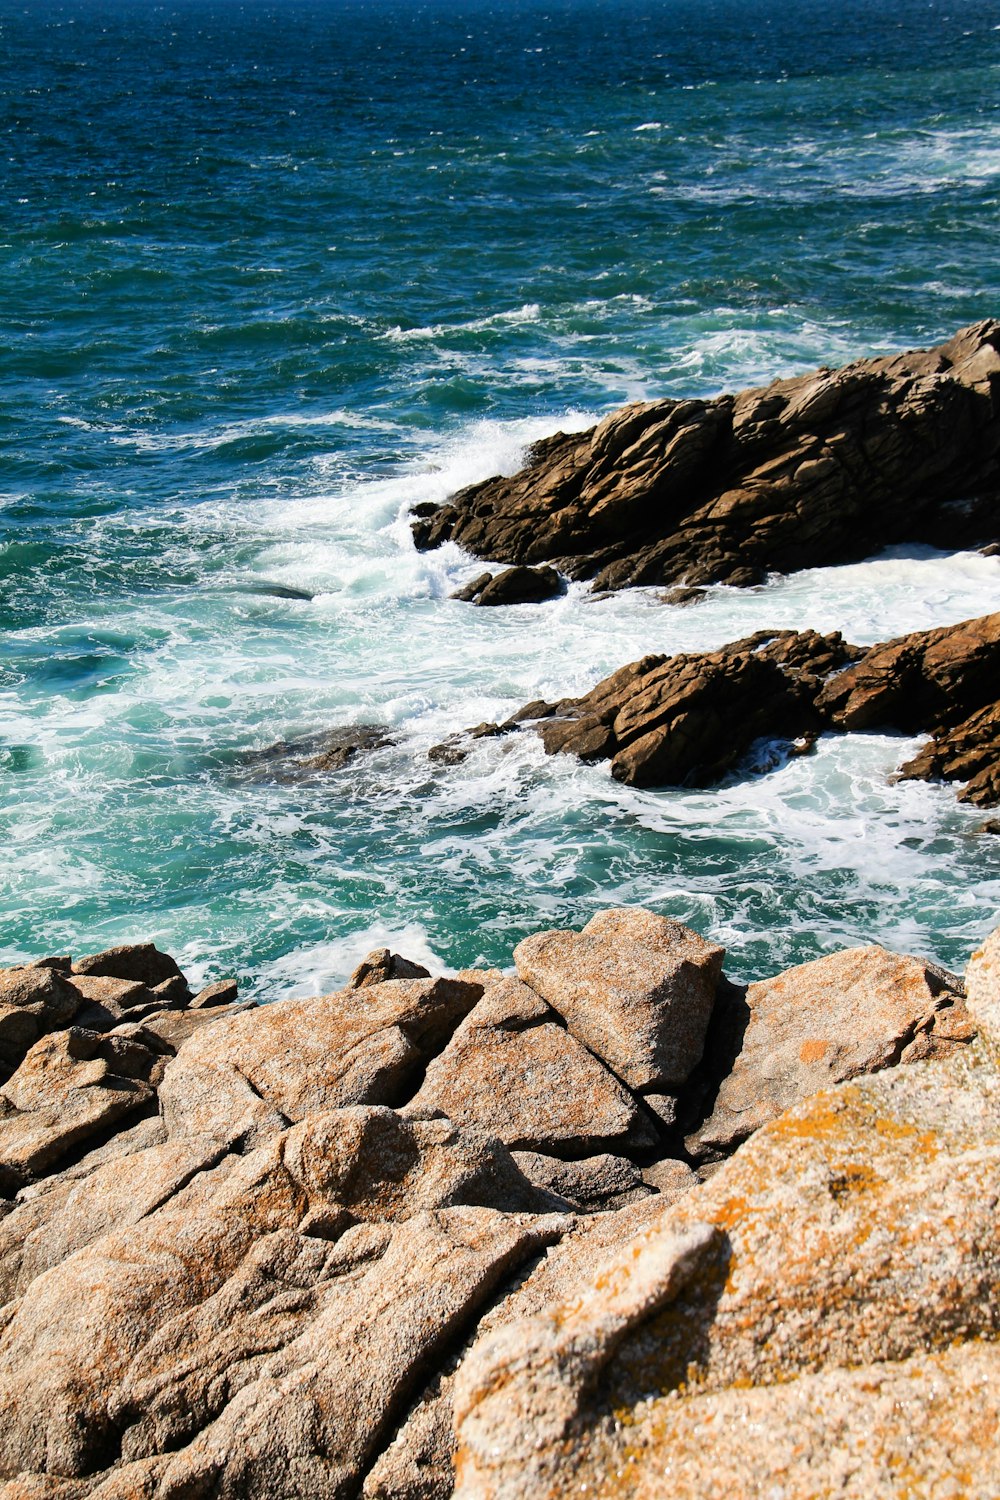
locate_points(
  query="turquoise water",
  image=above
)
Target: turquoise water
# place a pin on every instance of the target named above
(274, 273)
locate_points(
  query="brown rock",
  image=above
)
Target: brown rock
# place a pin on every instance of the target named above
(143, 963)
(322, 1273)
(635, 988)
(664, 721)
(596, 1185)
(923, 681)
(513, 1070)
(854, 1012)
(70, 1085)
(246, 1077)
(855, 1231)
(983, 985)
(820, 469)
(520, 586)
(969, 752)
(34, 1000)
(380, 965)
(668, 721)
(223, 992)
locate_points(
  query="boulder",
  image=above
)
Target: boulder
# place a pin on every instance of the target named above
(513, 586)
(142, 963)
(223, 992)
(854, 1012)
(70, 1085)
(823, 468)
(246, 1077)
(848, 1251)
(381, 965)
(514, 1070)
(34, 1000)
(636, 989)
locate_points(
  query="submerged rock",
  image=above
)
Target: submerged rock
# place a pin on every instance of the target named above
(319, 754)
(823, 468)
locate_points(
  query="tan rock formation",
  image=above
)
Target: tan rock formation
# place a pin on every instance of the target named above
(854, 1012)
(857, 1230)
(513, 1070)
(634, 988)
(248, 1077)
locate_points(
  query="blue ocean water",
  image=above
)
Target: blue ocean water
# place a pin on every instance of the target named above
(273, 272)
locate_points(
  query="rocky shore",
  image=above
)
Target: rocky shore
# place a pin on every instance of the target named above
(820, 469)
(690, 719)
(608, 1223)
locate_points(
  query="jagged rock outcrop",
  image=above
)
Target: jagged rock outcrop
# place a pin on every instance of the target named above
(824, 468)
(689, 719)
(82, 1049)
(361, 1228)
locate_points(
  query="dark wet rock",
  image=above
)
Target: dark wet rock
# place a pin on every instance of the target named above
(276, 591)
(689, 719)
(316, 755)
(513, 586)
(471, 591)
(823, 468)
(683, 596)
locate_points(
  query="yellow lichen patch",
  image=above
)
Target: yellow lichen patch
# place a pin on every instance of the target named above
(813, 1051)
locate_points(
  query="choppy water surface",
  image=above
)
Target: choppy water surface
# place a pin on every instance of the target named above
(271, 274)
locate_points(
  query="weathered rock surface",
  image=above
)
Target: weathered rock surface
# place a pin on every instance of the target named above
(634, 988)
(319, 1269)
(824, 468)
(514, 1070)
(821, 1023)
(843, 1250)
(257, 1073)
(673, 720)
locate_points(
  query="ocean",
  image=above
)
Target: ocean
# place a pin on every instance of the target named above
(272, 273)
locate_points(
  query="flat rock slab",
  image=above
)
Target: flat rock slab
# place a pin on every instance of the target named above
(636, 989)
(854, 1012)
(512, 1069)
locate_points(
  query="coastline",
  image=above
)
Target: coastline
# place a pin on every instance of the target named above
(490, 1235)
